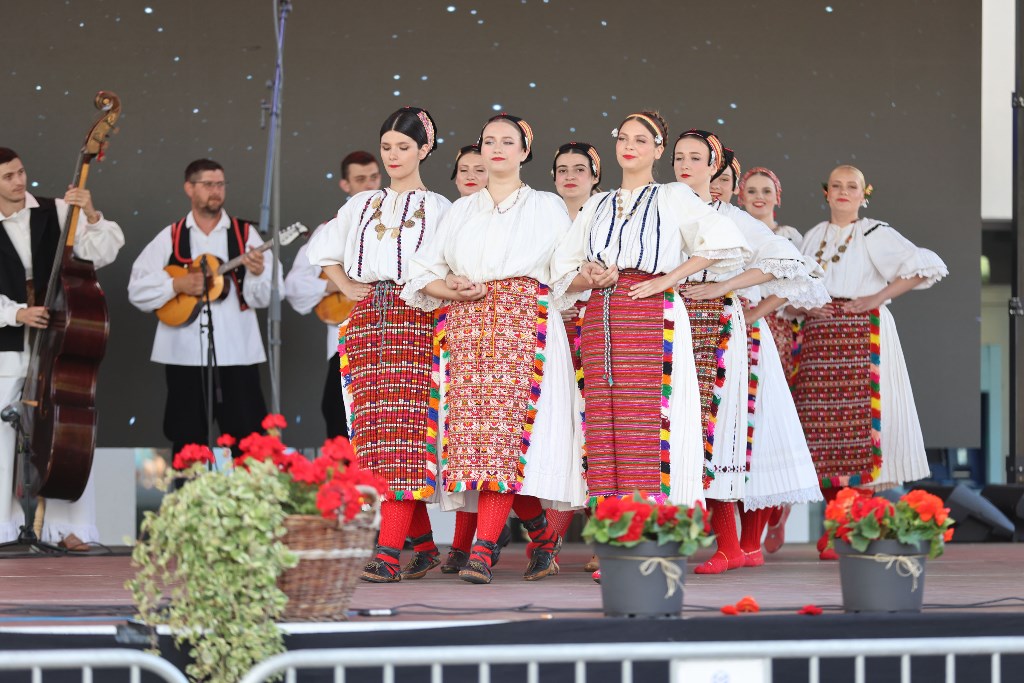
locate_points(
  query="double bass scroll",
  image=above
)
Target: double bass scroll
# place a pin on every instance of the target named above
(59, 413)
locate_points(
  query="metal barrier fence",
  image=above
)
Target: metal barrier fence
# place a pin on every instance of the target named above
(750, 662)
(87, 661)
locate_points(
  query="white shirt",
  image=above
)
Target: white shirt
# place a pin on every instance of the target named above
(485, 243)
(798, 279)
(365, 237)
(874, 256)
(304, 289)
(98, 242)
(659, 228)
(236, 332)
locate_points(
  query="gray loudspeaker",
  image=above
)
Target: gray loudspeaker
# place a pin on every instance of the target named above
(977, 519)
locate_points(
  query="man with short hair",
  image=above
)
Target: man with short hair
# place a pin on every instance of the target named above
(29, 242)
(304, 289)
(237, 348)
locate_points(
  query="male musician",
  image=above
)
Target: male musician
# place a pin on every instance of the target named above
(304, 289)
(237, 348)
(28, 244)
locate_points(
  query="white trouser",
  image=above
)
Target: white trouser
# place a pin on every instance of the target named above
(61, 517)
(11, 514)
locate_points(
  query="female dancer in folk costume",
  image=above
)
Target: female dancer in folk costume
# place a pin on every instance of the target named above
(851, 385)
(470, 176)
(576, 171)
(720, 352)
(631, 247)
(510, 435)
(386, 346)
(778, 463)
(469, 172)
(760, 195)
(723, 185)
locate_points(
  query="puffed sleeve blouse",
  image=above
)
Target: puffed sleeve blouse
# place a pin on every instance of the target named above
(875, 254)
(798, 278)
(376, 233)
(484, 242)
(654, 228)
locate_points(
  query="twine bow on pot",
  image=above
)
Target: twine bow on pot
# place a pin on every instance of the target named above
(673, 574)
(906, 565)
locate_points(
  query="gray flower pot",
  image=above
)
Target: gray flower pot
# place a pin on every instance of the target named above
(872, 582)
(627, 592)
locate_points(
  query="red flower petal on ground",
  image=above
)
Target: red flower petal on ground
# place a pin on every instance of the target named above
(809, 610)
(748, 604)
(730, 610)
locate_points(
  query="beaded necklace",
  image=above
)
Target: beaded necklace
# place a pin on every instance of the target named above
(840, 250)
(395, 232)
(514, 201)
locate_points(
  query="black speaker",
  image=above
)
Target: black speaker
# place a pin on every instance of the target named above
(1009, 499)
(977, 519)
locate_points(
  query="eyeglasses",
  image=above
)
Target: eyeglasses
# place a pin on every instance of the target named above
(210, 184)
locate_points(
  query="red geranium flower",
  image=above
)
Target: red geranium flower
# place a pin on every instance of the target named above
(273, 421)
(190, 455)
(226, 441)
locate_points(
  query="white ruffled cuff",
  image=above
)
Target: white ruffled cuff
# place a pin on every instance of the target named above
(561, 298)
(725, 260)
(926, 264)
(793, 282)
(414, 295)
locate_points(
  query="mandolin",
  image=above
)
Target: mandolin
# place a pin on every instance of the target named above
(333, 308)
(184, 308)
(60, 387)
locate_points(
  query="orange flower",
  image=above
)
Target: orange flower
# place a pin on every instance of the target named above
(748, 604)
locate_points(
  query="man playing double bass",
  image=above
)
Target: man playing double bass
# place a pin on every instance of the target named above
(239, 406)
(28, 245)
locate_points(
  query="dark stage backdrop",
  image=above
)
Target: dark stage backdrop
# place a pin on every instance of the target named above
(798, 86)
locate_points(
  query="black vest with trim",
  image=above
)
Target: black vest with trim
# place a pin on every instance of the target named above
(44, 228)
(181, 251)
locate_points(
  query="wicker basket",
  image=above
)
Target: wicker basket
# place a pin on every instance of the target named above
(331, 559)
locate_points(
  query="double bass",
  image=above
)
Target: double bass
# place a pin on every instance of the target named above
(59, 412)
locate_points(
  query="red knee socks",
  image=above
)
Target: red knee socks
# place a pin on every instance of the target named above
(492, 513)
(531, 514)
(752, 524)
(465, 528)
(420, 530)
(559, 520)
(723, 523)
(395, 519)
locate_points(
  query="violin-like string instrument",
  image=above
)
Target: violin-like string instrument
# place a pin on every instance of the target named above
(59, 413)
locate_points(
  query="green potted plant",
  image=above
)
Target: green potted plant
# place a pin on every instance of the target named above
(214, 560)
(642, 545)
(883, 547)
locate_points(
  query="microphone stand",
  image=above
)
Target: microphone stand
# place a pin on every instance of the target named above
(272, 194)
(210, 382)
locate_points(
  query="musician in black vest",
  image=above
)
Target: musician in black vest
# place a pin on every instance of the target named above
(304, 289)
(239, 406)
(28, 244)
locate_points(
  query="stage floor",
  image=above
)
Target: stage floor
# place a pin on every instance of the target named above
(54, 592)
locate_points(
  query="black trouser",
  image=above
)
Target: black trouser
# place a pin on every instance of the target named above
(332, 405)
(239, 410)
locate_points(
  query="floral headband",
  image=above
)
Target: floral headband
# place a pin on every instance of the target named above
(428, 127)
(659, 139)
(761, 170)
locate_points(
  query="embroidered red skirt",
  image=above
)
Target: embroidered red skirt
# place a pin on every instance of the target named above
(495, 364)
(626, 353)
(711, 330)
(782, 333)
(386, 349)
(836, 392)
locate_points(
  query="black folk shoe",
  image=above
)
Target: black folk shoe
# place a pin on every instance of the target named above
(420, 564)
(543, 561)
(456, 561)
(478, 571)
(379, 571)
